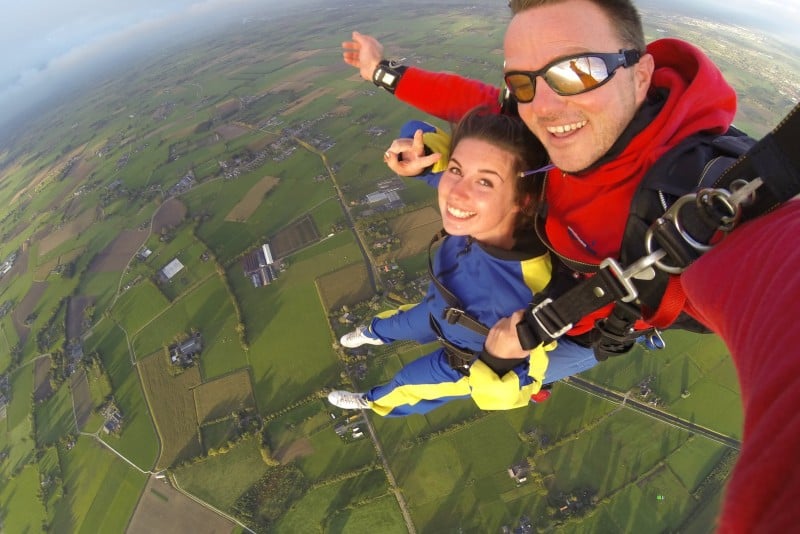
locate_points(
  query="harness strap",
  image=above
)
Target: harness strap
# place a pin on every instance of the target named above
(672, 304)
(459, 359)
(454, 312)
(614, 335)
(775, 159)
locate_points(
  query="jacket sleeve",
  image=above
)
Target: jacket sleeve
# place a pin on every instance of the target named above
(758, 322)
(445, 95)
(513, 389)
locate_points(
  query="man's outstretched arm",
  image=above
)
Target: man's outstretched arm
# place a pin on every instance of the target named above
(441, 94)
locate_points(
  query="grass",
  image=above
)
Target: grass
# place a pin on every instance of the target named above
(54, 417)
(295, 333)
(379, 515)
(242, 466)
(22, 510)
(221, 397)
(138, 305)
(96, 481)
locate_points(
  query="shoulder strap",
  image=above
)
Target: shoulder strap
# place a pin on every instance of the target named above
(454, 313)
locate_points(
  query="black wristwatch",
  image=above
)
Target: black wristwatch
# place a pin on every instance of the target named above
(387, 74)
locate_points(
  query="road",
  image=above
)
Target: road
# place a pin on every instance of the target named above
(374, 279)
(613, 396)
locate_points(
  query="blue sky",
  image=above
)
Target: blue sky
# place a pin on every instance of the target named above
(45, 42)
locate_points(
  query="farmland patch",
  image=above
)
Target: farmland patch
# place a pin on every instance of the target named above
(223, 396)
(297, 235)
(69, 230)
(41, 380)
(164, 509)
(231, 131)
(75, 311)
(81, 398)
(296, 449)
(306, 99)
(172, 404)
(43, 270)
(415, 230)
(252, 199)
(117, 255)
(170, 213)
(346, 286)
(25, 308)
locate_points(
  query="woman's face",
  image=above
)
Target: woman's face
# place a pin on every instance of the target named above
(476, 193)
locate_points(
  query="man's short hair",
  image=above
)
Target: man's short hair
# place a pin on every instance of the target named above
(622, 14)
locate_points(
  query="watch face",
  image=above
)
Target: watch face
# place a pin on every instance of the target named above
(388, 79)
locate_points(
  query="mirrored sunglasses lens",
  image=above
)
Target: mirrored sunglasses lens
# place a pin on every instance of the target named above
(576, 75)
(521, 87)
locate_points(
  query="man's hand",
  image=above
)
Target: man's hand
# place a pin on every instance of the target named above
(407, 157)
(364, 52)
(502, 341)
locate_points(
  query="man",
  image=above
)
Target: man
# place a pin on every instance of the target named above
(602, 137)
(602, 141)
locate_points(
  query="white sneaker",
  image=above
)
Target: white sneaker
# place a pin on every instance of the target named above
(348, 400)
(357, 337)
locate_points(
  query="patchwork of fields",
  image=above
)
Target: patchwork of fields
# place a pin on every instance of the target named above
(259, 134)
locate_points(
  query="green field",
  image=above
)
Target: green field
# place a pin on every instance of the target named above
(269, 96)
(242, 466)
(96, 481)
(54, 417)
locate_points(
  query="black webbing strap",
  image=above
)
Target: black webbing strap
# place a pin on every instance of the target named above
(454, 312)
(459, 359)
(775, 159)
(546, 319)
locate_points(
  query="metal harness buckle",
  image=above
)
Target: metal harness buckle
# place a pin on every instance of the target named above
(453, 315)
(553, 335)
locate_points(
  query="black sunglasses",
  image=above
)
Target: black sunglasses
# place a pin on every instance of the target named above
(571, 75)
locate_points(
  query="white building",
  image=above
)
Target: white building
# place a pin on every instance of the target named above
(267, 254)
(172, 268)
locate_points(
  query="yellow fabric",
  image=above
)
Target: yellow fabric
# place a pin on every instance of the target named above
(536, 272)
(389, 313)
(438, 141)
(413, 393)
(492, 392)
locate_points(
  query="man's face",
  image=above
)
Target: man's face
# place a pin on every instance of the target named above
(576, 130)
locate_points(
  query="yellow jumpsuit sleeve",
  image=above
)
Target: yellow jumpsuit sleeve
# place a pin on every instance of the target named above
(438, 141)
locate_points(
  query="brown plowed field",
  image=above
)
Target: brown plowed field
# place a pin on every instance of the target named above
(164, 509)
(41, 380)
(25, 308)
(117, 255)
(170, 213)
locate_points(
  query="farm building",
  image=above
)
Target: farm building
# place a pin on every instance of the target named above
(258, 266)
(383, 196)
(171, 269)
(183, 353)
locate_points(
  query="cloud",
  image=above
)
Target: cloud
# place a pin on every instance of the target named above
(65, 55)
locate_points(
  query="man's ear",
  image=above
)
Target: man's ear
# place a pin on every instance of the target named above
(642, 75)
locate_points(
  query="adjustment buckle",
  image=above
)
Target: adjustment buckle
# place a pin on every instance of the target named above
(641, 269)
(541, 307)
(452, 315)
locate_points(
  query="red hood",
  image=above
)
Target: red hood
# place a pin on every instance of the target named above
(699, 100)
